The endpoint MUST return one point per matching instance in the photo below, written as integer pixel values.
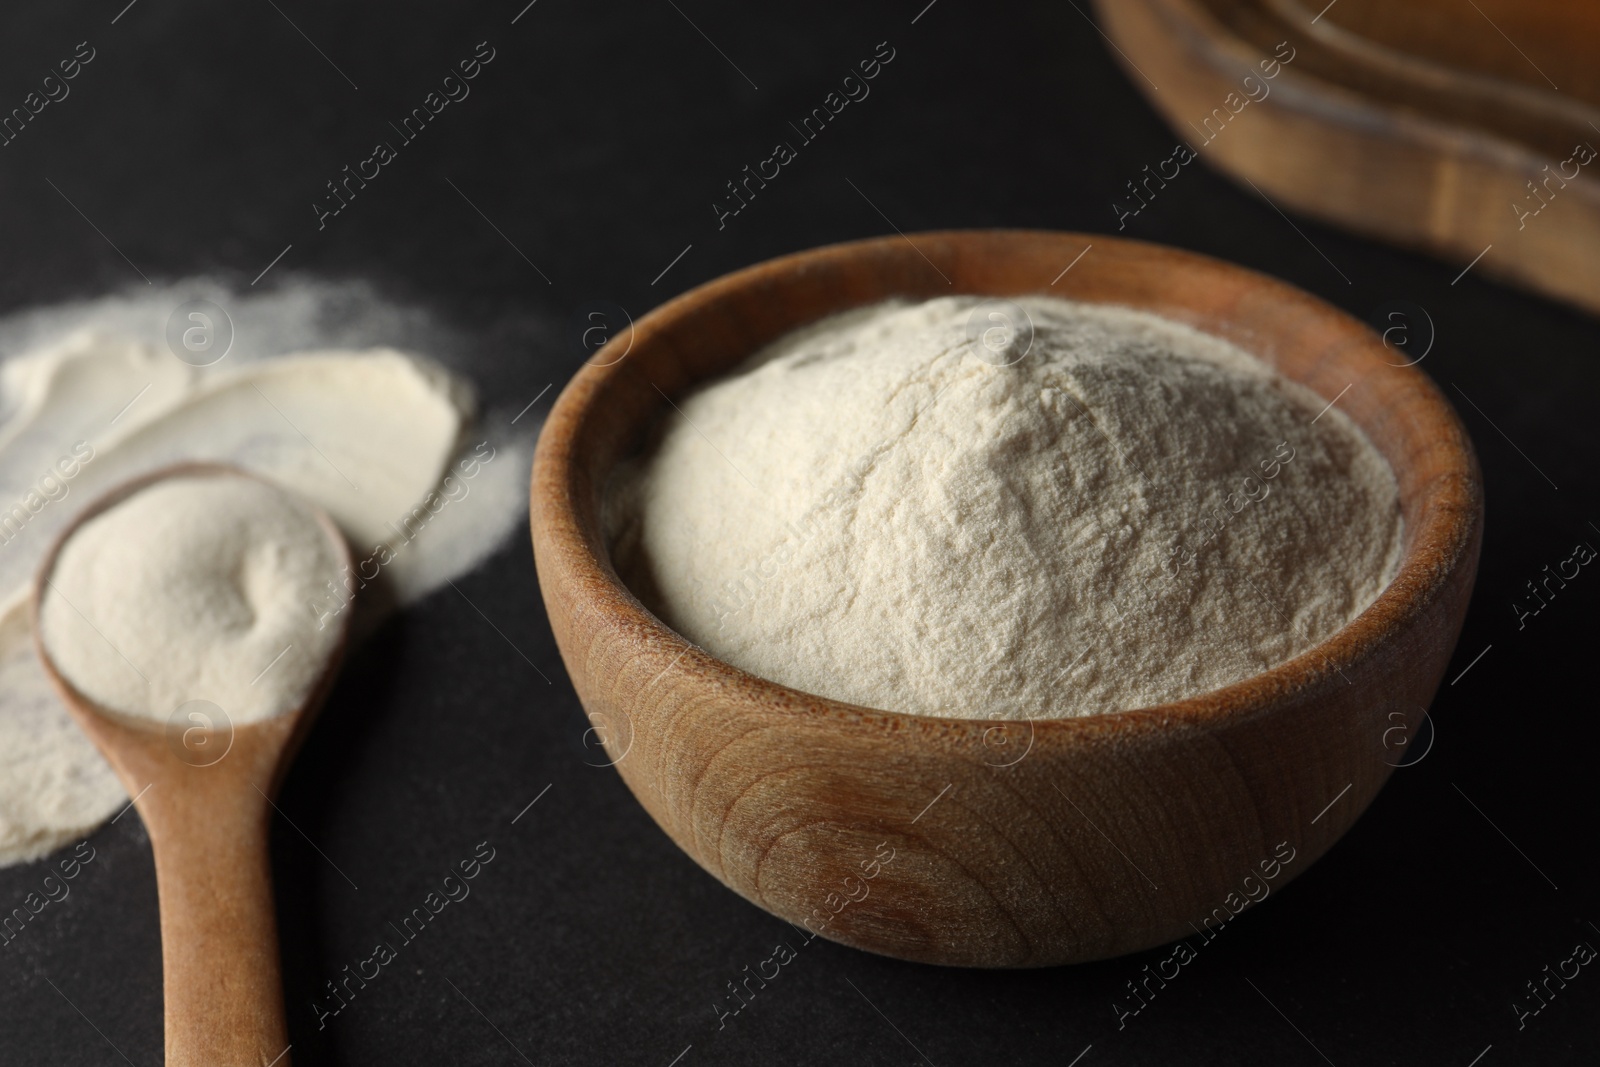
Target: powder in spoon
(194, 588)
(1100, 510)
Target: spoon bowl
(204, 789)
(992, 843)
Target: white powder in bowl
(1122, 512)
(199, 587)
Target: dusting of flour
(1122, 513)
(389, 444)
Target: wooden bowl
(973, 842)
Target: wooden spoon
(204, 789)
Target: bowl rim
(1430, 557)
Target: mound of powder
(1069, 510)
(194, 588)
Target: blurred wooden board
(1467, 128)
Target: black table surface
(597, 140)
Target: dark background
(596, 140)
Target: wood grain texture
(1420, 124)
(1020, 843)
(208, 817)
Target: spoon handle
(219, 943)
(220, 946)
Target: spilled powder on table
(384, 441)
